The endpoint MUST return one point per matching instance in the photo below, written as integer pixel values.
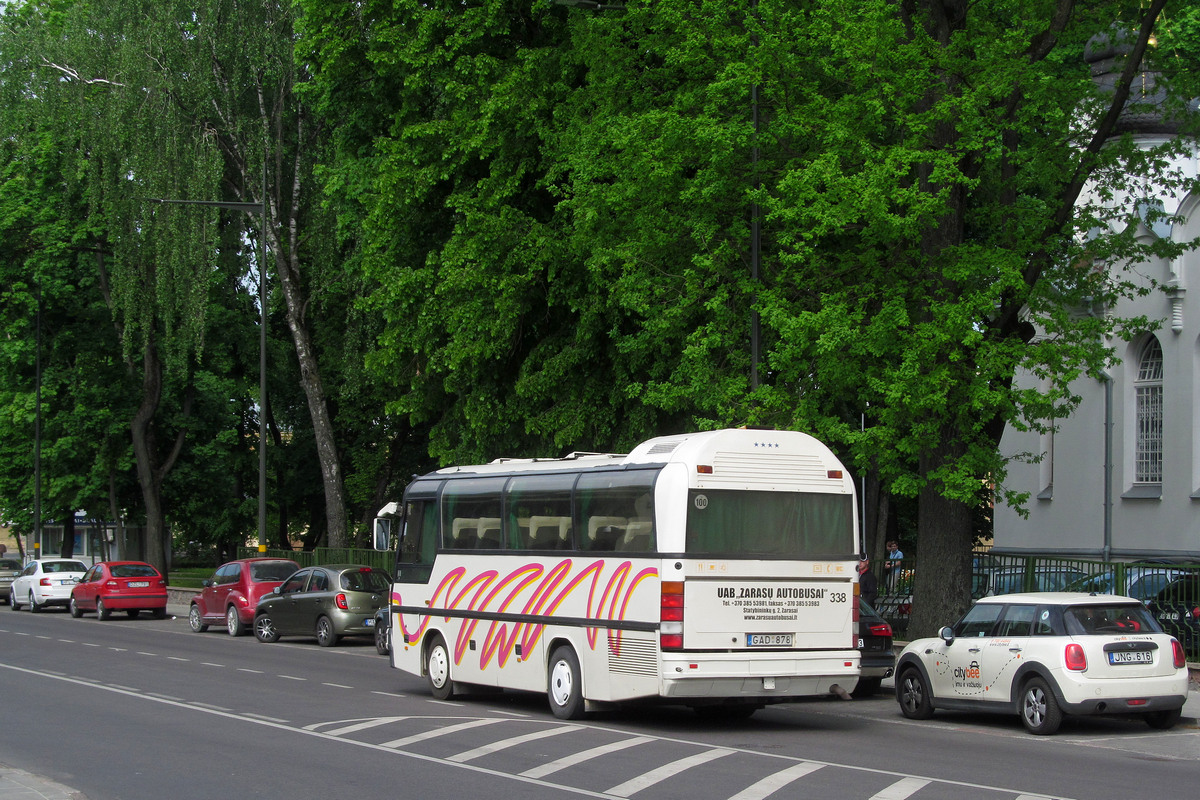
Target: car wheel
(102, 611)
(437, 669)
(12, 601)
(326, 635)
(74, 608)
(159, 613)
(1039, 709)
(264, 629)
(912, 692)
(34, 607)
(1162, 720)
(383, 636)
(194, 620)
(565, 684)
(867, 687)
(233, 622)
(132, 613)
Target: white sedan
(1045, 655)
(45, 582)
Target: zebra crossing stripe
(773, 783)
(584, 755)
(446, 731)
(901, 789)
(513, 741)
(648, 779)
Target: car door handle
(973, 650)
(1014, 649)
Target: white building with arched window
(1120, 477)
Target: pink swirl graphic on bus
(608, 599)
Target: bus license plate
(1131, 657)
(768, 640)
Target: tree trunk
(149, 479)
(67, 549)
(287, 266)
(941, 584)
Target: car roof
(348, 567)
(1059, 598)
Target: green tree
(559, 210)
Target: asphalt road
(137, 709)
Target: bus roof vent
(665, 446)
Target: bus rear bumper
(765, 675)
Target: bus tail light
(1074, 657)
(670, 618)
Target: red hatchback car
(230, 595)
(129, 586)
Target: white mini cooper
(1046, 654)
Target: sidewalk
(17, 784)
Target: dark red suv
(231, 594)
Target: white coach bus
(713, 569)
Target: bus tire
(565, 684)
(437, 669)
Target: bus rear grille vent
(777, 470)
(629, 656)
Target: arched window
(1149, 392)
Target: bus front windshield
(777, 524)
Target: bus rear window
(792, 524)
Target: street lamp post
(260, 209)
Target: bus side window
(538, 509)
(419, 543)
(616, 511)
(471, 514)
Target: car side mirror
(947, 634)
(276, 590)
(207, 582)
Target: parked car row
(275, 597)
(270, 596)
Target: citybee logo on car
(607, 599)
(970, 672)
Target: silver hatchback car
(9, 569)
(327, 602)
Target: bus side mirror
(383, 533)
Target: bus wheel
(437, 669)
(565, 685)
